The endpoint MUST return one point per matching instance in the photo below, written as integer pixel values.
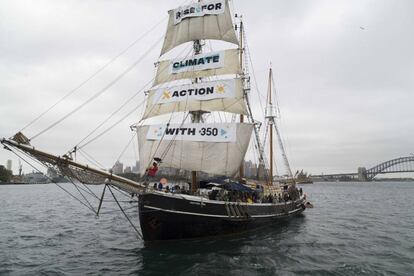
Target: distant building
(135, 169)
(261, 172)
(118, 168)
(35, 177)
(249, 168)
(9, 165)
(127, 169)
(254, 171)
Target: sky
(344, 74)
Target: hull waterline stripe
(218, 216)
(185, 213)
(199, 199)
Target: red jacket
(152, 171)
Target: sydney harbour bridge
(397, 165)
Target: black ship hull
(166, 216)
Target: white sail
(222, 95)
(208, 20)
(203, 65)
(196, 147)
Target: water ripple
(355, 229)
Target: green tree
(5, 175)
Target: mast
(241, 171)
(216, 148)
(196, 116)
(271, 115)
(270, 125)
(246, 87)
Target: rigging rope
(80, 201)
(119, 109)
(87, 201)
(126, 216)
(94, 74)
(109, 128)
(89, 158)
(247, 52)
(276, 96)
(126, 194)
(100, 92)
(113, 114)
(171, 142)
(90, 191)
(166, 84)
(35, 168)
(135, 151)
(258, 145)
(127, 145)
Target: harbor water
(354, 229)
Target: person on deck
(163, 185)
(150, 175)
(152, 170)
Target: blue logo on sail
(223, 133)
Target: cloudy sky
(344, 73)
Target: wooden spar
(120, 182)
(241, 170)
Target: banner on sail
(199, 62)
(205, 24)
(203, 65)
(200, 132)
(209, 157)
(198, 9)
(202, 91)
(223, 95)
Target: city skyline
(344, 91)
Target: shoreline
(20, 183)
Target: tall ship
(196, 86)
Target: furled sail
(211, 148)
(222, 95)
(203, 65)
(201, 20)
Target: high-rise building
(248, 168)
(127, 169)
(261, 172)
(118, 168)
(135, 169)
(9, 165)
